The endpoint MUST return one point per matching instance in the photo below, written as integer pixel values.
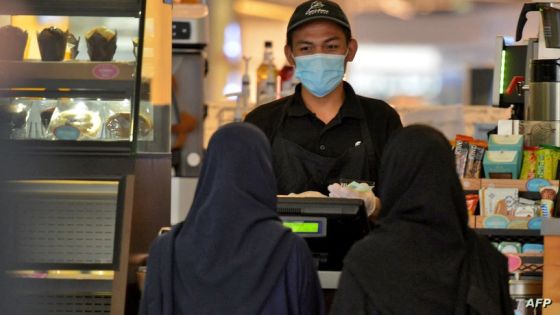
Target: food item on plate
(17, 39)
(101, 43)
(52, 43)
(77, 123)
(118, 125)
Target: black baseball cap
(315, 10)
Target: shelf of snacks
(520, 184)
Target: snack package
(461, 153)
(101, 44)
(474, 158)
(118, 121)
(472, 202)
(548, 195)
(15, 41)
(526, 208)
(544, 163)
(529, 165)
(555, 157)
(498, 201)
(76, 120)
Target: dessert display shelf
(63, 76)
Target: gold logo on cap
(316, 8)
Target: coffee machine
(543, 97)
(527, 75)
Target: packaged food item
(555, 157)
(548, 195)
(544, 163)
(535, 223)
(76, 120)
(510, 247)
(498, 201)
(52, 43)
(474, 158)
(532, 248)
(17, 39)
(529, 166)
(525, 208)
(514, 262)
(101, 44)
(118, 122)
(461, 153)
(472, 202)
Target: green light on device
(302, 227)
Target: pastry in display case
(101, 43)
(17, 39)
(76, 120)
(13, 118)
(52, 43)
(118, 121)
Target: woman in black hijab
(422, 258)
(232, 255)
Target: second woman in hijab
(232, 255)
(422, 258)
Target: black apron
(298, 170)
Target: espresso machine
(527, 76)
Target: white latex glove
(338, 191)
(309, 193)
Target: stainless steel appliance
(190, 29)
(527, 77)
(543, 96)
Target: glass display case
(85, 92)
(81, 71)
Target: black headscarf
(232, 248)
(418, 259)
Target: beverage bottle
(267, 77)
(288, 81)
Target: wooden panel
(470, 183)
(152, 210)
(551, 279)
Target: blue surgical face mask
(320, 74)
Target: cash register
(330, 226)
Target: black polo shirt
(343, 132)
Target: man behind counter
(324, 132)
